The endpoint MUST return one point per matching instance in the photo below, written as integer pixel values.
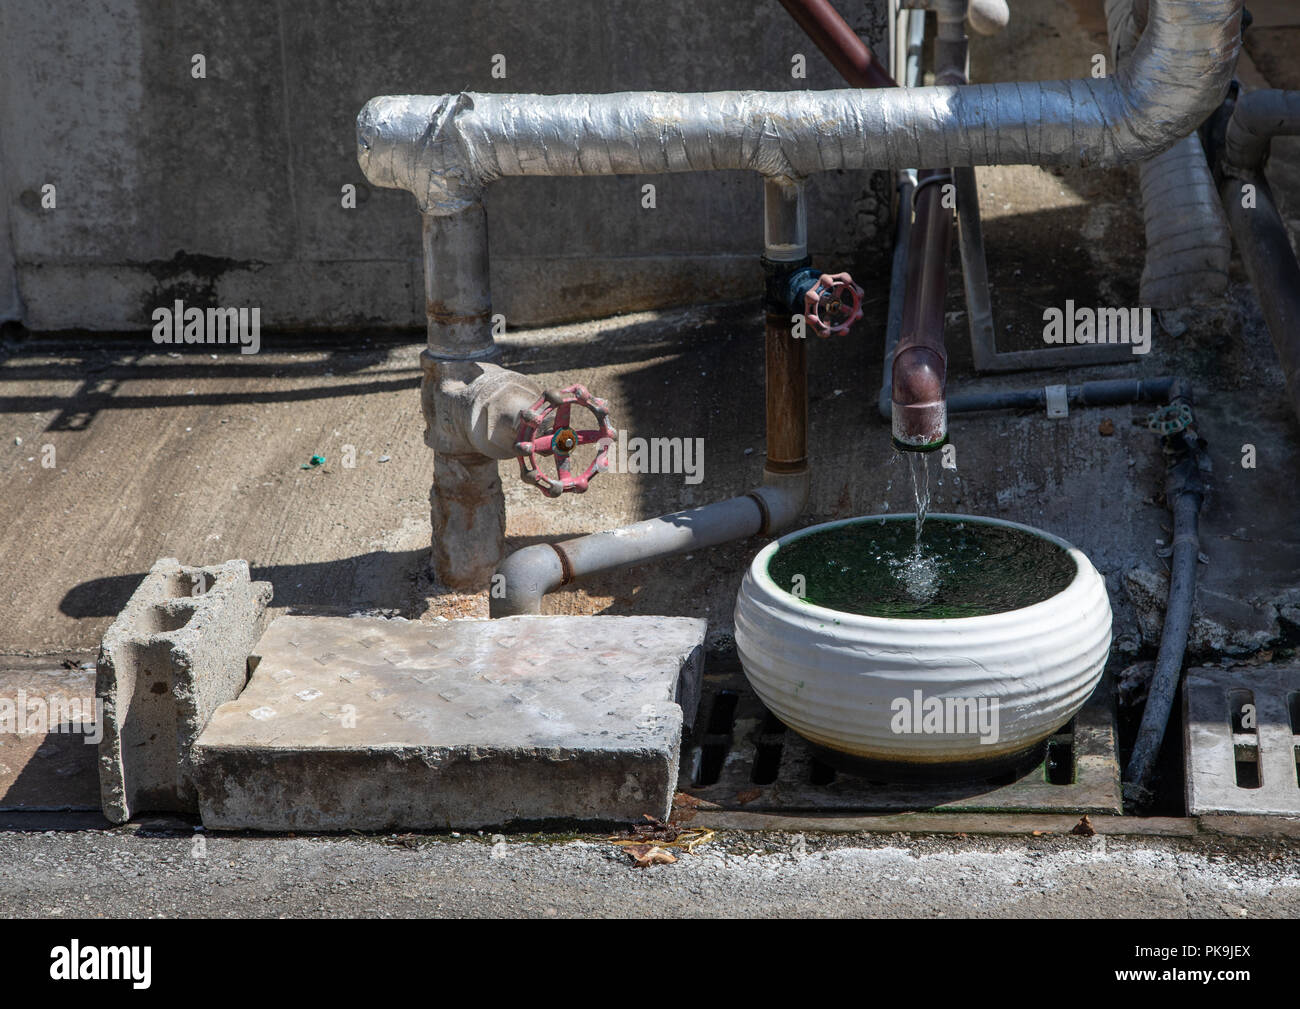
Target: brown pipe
(787, 396)
(920, 366)
(920, 410)
(839, 43)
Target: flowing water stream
(918, 571)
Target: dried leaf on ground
(653, 829)
(645, 855)
(659, 836)
(684, 800)
(1084, 828)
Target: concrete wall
(227, 190)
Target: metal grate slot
(716, 743)
(1058, 767)
(1246, 765)
(1241, 711)
(820, 772)
(767, 763)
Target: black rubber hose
(1107, 392)
(1185, 490)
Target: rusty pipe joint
(474, 407)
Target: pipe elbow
(919, 408)
(414, 142)
(523, 579)
(1178, 74)
(782, 498)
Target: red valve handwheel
(545, 430)
(833, 304)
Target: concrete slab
(372, 724)
(1242, 764)
(178, 649)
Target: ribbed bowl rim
(759, 573)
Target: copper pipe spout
(920, 372)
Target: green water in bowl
(957, 569)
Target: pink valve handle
(833, 304)
(550, 415)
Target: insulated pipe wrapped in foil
(1188, 245)
(445, 149)
(1256, 119)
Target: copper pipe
(787, 396)
(921, 359)
(920, 413)
(839, 43)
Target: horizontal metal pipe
(445, 149)
(1105, 392)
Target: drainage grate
(746, 759)
(1242, 729)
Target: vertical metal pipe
(457, 291)
(787, 395)
(919, 372)
(785, 221)
(1271, 265)
(920, 366)
(466, 502)
(911, 59)
(785, 249)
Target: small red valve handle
(544, 429)
(833, 304)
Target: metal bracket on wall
(979, 308)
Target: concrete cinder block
(176, 651)
(368, 724)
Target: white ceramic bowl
(837, 678)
